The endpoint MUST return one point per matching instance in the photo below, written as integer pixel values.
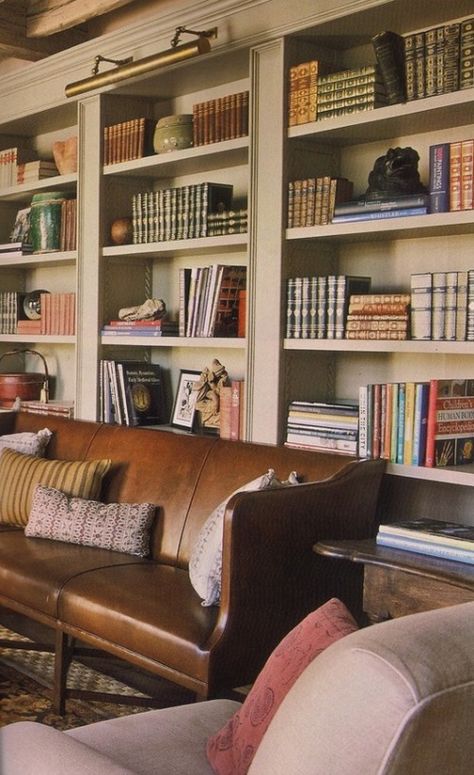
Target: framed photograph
(184, 408)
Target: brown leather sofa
(146, 611)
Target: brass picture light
(127, 68)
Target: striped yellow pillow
(19, 475)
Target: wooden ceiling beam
(13, 39)
(46, 17)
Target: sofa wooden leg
(62, 660)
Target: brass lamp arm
(212, 33)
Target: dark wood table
(397, 583)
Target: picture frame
(184, 407)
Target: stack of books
(52, 408)
(303, 92)
(312, 201)
(15, 249)
(209, 299)
(375, 209)
(10, 158)
(58, 314)
(350, 91)
(162, 327)
(31, 171)
(323, 426)
(436, 538)
(177, 213)
(317, 307)
(418, 423)
(378, 316)
(222, 118)
(128, 140)
(227, 222)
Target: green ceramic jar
(45, 221)
(173, 133)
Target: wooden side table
(397, 583)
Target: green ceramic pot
(173, 133)
(45, 221)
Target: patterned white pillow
(122, 527)
(205, 564)
(27, 442)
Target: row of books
(452, 176)
(161, 327)
(178, 213)
(436, 538)
(58, 316)
(131, 393)
(33, 171)
(333, 426)
(312, 201)
(128, 140)
(210, 300)
(68, 228)
(382, 316)
(439, 60)
(418, 423)
(222, 118)
(442, 306)
(317, 306)
(10, 158)
(231, 410)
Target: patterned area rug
(24, 696)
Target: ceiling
(33, 29)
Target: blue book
(361, 206)
(401, 422)
(380, 214)
(426, 547)
(439, 178)
(422, 390)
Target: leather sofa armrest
(271, 577)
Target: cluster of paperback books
(161, 327)
(317, 306)
(231, 406)
(312, 201)
(223, 118)
(128, 140)
(442, 306)
(131, 393)
(418, 423)
(10, 158)
(209, 300)
(333, 426)
(375, 209)
(350, 91)
(439, 60)
(177, 213)
(436, 538)
(451, 176)
(31, 171)
(227, 222)
(378, 316)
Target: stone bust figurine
(395, 174)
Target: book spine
(431, 424)
(235, 410)
(439, 174)
(450, 307)
(455, 176)
(467, 171)
(363, 448)
(461, 306)
(380, 214)
(424, 547)
(451, 55)
(421, 305)
(466, 59)
(367, 206)
(420, 423)
(389, 48)
(409, 422)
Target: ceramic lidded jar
(45, 221)
(173, 133)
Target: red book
(235, 409)
(450, 427)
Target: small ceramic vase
(173, 133)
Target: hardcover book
(389, 50)
(141, 392)
(450, 429)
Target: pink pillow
(231, 750)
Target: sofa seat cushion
(165, 741)
(160, 617)
(34, 570)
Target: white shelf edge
(39, 259)
(19, 192)
(50, 338)
(455, 475)
(372, 345)
(407, 226)
(230, 343)
(202, 244)
(155, 161)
